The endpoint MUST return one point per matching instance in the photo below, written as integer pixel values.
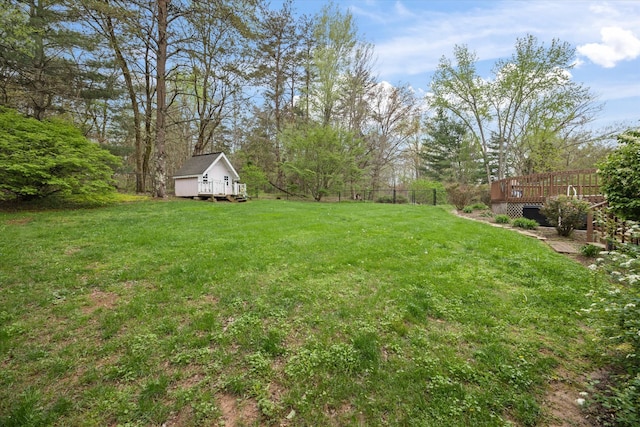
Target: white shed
(208, 175)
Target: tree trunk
(160, 183)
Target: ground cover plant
(526, 223)
(281, 313)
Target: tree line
(293, 99)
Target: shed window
(205, 177)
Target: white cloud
(617, 45)
(410, 36)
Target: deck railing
(604, 227)
(220, 188)
(537, 188)
(211, 187)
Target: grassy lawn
(281, 313)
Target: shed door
(227, 186)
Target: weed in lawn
(150, 406)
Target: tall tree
(217, 45)
(129, 28)
(317, 158)
(160, 182)
(45, 58)
(393, 121)
(278, 72)
(447, 151)
(530, 101)
(336, 37)
(460, 90)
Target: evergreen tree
(46, 64)
(447, 151)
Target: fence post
(435, 200)
(338, 197)
(394, 196)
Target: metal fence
(420, 197)
(127, 182)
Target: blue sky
(410, 37)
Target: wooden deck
(535, 189)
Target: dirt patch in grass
(19, 221)
(561, 403)
(100, 299)
(237, 413)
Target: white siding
(186, 187)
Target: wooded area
(292, 99)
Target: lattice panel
(514, 210)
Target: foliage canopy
(38, 159)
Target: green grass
(302, 313)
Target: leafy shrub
(38, 159)
(464, 195)
(475, 207)
(479, 206)
(620, 174)
(565, 213)
(618, 307)
(526, 223)
(590, 251)
(502, 219)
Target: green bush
(475, 207)
(621, 176)
(565, 213)
(526, 223)
(479, 206)
(39, 159)
(464, 195)
(618, 307)
(590, 251)
(502, 219)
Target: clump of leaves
(475, 207)
(565, 213)
(526, 223)
(590, 251)
(502, 219)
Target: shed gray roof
(196, 165)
